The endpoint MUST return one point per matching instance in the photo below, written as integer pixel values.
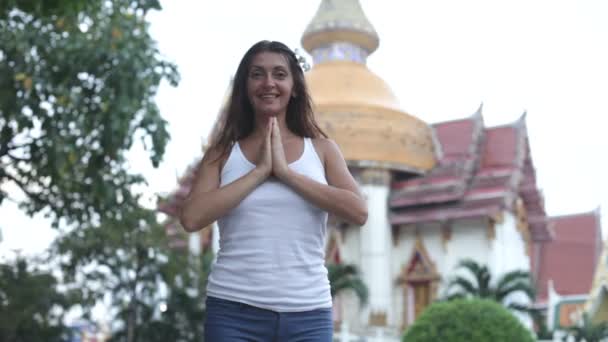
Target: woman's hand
(279, 163)
(264, 162)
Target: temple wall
(382, 255)
(509, 250)
(509, 253)
(468, 239)
(402, 251)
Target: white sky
(442, 58)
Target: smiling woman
(270, 84)
(270, 179)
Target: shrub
(474, 320)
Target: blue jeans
(229, 321)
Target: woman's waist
(264, 244)
(273, 287)
(272, 259)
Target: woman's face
(269, 84)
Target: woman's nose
(268, 81)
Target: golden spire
(353, 105)
(340, 31)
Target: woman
(269, 179)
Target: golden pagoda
(353, 105)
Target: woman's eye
(281, 75)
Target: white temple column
(376, 246)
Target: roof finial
(340, 31)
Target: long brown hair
(239, 119)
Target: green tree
(540, 324)
(184, 315)
(78, 84)
(128, 262)
(482, 285)
(345, 278)
(588, 331)
(31, 306)
(473, 320)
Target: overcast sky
(442, 59)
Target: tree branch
(23, 187)
(15, 158)
(8, 147)
(4, 150)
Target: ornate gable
(419, 280)
(420, 267)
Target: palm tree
(344, 278)
(483, 286)
(540, 323)
(588, 331)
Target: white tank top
(272, 244)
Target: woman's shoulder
(216, 156)
(324, 143)
(325, 147)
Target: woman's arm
(207, 201)
(340, 196)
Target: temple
(436, 193)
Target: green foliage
(344, 278)
(78, 84)
(48, 7)
(77, 89)
(31, 307)
(128, 262)
(482, 286)
(588, 331)
(184, 316)
(473, 320)
(540, 323)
